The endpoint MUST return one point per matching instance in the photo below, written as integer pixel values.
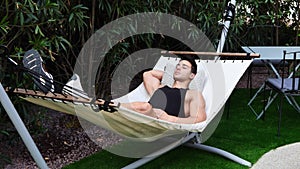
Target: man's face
(183, 71)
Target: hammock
(216, 80)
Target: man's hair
(190, 59)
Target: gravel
(64, 142)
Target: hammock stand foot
(219, 152)
(184, 141)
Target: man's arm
(152, 80)
(197, 109)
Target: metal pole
(220, 152)
(225, 31)
(21, 128)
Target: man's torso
(173, 101)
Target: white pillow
(197, 83)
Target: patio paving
(285, 157)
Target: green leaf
(32, 17)
(51, 20)
(41, 33)
(21, 18)
(36, 29)
(31, 6)
(71, 17)
(3, 24)
(4, 132)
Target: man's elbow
(201, 118)
(146, 75)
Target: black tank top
(171, 100)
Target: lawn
(238, 132)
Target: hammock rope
(101, 104)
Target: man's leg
(44, 80)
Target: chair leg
(269, 101)
(280, 113)
(293, 103)
(261, 89)
(265, 104)
(228, 105)
(249, 84)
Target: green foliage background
(58, 29)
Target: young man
(174, 104)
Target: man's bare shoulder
(193, 93)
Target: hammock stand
(197, 133)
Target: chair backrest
(293, 77)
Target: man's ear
(192, 76)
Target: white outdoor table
(269, 56)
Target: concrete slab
(285, 157)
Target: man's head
(190, 59)
(185, 70)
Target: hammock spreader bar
(102, 104)
(241, 55)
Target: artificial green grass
(238, 132)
